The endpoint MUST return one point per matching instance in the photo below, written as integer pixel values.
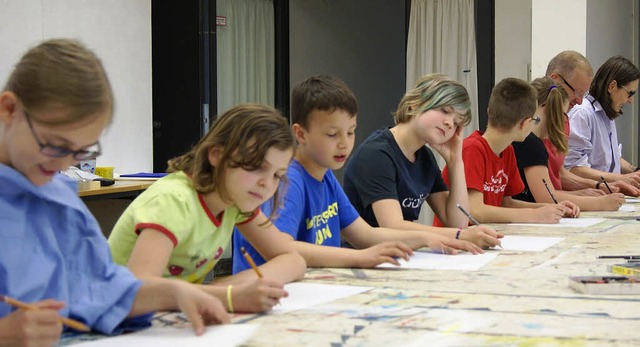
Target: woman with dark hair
(594, 151)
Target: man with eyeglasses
(574, 73)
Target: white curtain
(442, 39)
(245, 53)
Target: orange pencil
(66, 321)
(250, 261)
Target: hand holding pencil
(258, 294)
(37, 323)
(51, 304)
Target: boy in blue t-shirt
(315, 210)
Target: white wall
(512, 39)
(556, 26)
(119, 31)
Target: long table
(518, 299)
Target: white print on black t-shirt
(413, 202)
(497, 184)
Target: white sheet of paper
(627, 208)
(303, 295)
(566, 223)
(439, 261)
(228, 335)
(632, 199)
(528, 243)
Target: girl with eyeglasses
(53, 255)
(594, 151)
(532, 153)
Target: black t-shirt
(530, 152)
(379, 170)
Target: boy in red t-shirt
(491, 170)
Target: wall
(611, 33)
(512, 39)
(119, 31)
(556, 26)
(597, 29)
(360, 41)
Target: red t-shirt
(556, 160)
(494, 176)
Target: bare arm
(150, 257)
(389, 214)
(284, 263)
(444, 204)
(513, 211)
(161, 294)
(535, 175)
(626, 167)
(571, 181)
(593, 174)
(328, 256)
(361, 234)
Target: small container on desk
(612, 285)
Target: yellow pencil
(250, 261)
(66, 321)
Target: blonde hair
(554, 99)
(434, 91)
(243, 134)
(64, 74)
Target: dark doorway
(183, 42)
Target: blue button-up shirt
(593, 141)
(51, 247)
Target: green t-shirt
(173, 207)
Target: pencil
(64, 320)
(629, 257)
(473, 220)
(549, 190)
(606, 185)
(250, 261)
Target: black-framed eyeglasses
(89, 152)
(580, 95)
(630, 92)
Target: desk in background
(107, 203)
(118, 189)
